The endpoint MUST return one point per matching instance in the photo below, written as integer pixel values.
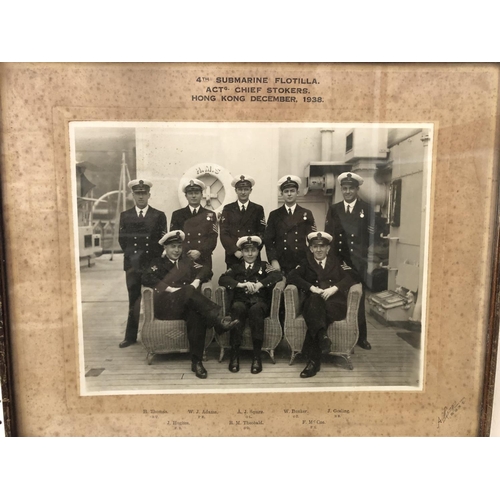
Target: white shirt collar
(243, 204)
(320, 261)
(144, 210)
(247, 265)
(350, 204)
(287, 208)
(193, 208)
(173, 261)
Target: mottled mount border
(5, 353)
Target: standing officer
(240, 218)
(141, 227)
(287, 228)
(326, 285)
(176, 282)
(350, 222)
(198, 223)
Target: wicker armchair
(165, 336)
(343, 334)
(272, 327)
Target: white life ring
(222, 182)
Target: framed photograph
(171, 155)
(389, 170)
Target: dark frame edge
(6, 372)
(491, 355)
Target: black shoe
(325, 344)
(198, 369)
(224, 324)
(364, 344)
(234, 362)
(126, 343)
(256, 365)
(311, 369)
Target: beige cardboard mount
(39, 100)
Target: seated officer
(198, 224)
(287, 228)
(326, 285)
(176, 282)
(240, 218)
(250, 284)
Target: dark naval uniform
(254, 306)
(234, 224)
(187, 303)
(285, 236)
(353, 234)
(138, 238)
(319, 313)
(200, 230)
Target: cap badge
(141, 182)
(177, 233)
(319, 235)
(191, 182)
(242, 177)
(349, 176)
(288, 178)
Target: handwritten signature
(449, 412)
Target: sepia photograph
(250, 257)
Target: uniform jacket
(352, 233)
(309, 273)
(201, 230)
(261, 272)
(162, 273)
(234, 224)
(139, 238)
(285, 236)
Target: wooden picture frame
(39, 327)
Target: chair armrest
(353, 301)
(276, 298)
(221, 298)
(206, 289)
(147, 303)
(292, 306)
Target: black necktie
(348, 209)
(141, 215)
(194, 211)
(242, 209)
(289, 211)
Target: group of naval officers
(176, 262)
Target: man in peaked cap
(176, 283)
(140, 229)
(288, 227)
(351, 223)
(325, 283)
(241, 218)
(198, 223)
(249, 284)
